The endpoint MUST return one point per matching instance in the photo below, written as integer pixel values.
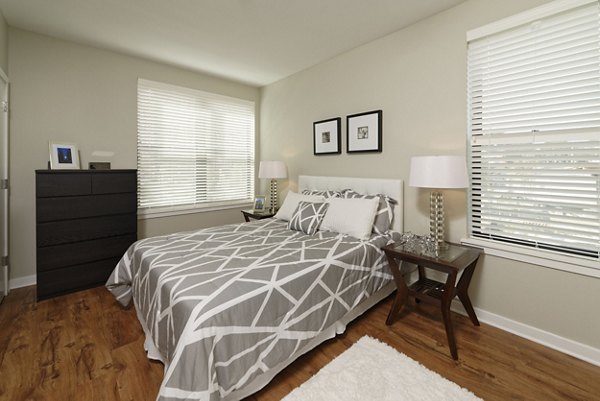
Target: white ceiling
(252, 41)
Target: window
(534, 131)
(195, 150)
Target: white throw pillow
(291, 203)
(385, 210)
(352, 216)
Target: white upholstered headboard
(369, 186)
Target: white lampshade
(272, 169)
(438, 172)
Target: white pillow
(291, 203)
(352, 216)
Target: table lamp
(272, 170)
(438, 172)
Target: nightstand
(451, 261)
(256, 214)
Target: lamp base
(273, 198)
(436, 220)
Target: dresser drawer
(73, 278)
(74, 207)
(61, 232)
(62, 184)
(59, 256)
(114, 183)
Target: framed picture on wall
(364, 132)
(327, 136)
(63, 156)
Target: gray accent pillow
(385, 210)
(325, 194)
(308, 217)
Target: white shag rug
(372, 370)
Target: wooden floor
(85, 347)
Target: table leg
(450, 332)
(402, 291)
(398, 302)
(462, 292)
(446, 302)
(422, 276)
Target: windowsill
(553, 260)
(152, 213)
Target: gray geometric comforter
(226, 304)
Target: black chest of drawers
(85, 221)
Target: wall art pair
(364, 133)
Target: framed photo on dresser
(64, 156)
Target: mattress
(225, 305)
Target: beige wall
(417, 76)
(3, 44)
(69, 92)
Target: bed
(227, 308)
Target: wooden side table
(256, 214)
(451, 261)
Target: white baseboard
(550, 340)
(19, 282)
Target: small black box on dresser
(85, 221)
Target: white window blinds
(195, 149)
(534, 126)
